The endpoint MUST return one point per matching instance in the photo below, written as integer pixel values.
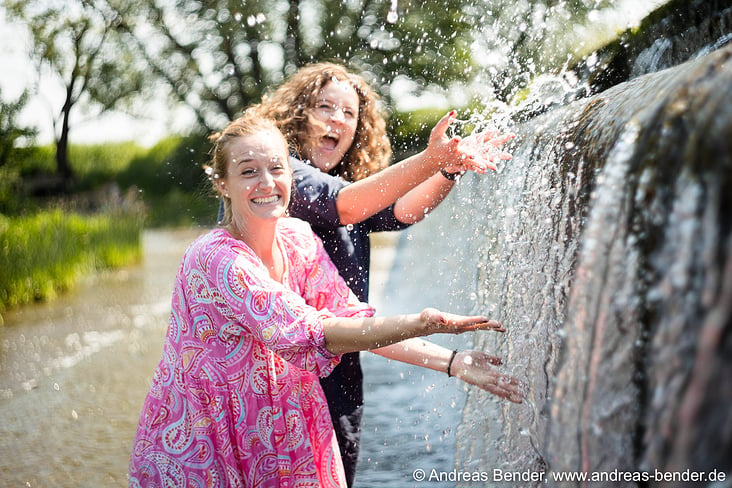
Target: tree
(78, 42)
(12, 137)
(219, 56)
(11, 132)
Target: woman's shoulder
(292, 226)
(305, 173)
(209, 244)
(297, 232)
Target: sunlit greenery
(48, 252)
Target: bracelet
(451, 176)
(449, 363)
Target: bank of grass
(44, 254)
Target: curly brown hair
(291, 106)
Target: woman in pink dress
(259, 312)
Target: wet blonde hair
(246, 125)
(292, 104)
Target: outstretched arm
(366, 197)
(421, 200)
(416, 184)
(344, 335)
(474, 367)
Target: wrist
(455, 176)
(449, 363)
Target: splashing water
(483, 148)
(484, 139)
(393, 15)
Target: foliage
(43, 254)
(219, 56)
(530, 37)
(173, 163)
(172, 182)
(77, 40)
(410, 131)
(12, 135)
(11, 131)
(100, 163)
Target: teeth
(271, 199)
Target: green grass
(44, 254)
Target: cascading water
(606, 252)
(604, 247)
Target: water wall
(671, 34)
(604, 247)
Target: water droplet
(392, 17)
(349, 227)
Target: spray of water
(393, 15)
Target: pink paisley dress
(235, 400)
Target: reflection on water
(74, 372)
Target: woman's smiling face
(258, 179)
(336, 106)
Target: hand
(484, 147)
(475, 368)
(441, 322)
(445, 152)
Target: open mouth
(330, 141)
(266, 200)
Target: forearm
(418, 352)
(344, 335)
(364, 198)
(417, 203)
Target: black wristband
(451, 176)
(449, 363)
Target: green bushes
(48, 252)
(172, 183)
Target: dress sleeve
(229, 277)
(322, 285)
(314, 196)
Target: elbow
(350, 217)
(408, 217)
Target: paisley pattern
(235, 399)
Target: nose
(338, 114)
(266, 180)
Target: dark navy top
(314, 200)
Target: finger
(498, 140)
(494, 360)
(509, 388)
(510, 394)
(499, 155)
(489, 325)
(441, 126)
(470, 163)
(489, 135)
